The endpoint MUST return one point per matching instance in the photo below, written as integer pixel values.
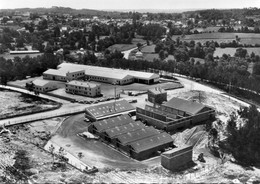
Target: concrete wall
(175, 162)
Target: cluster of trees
(20, 68)
(151, 31)
(243, 140)
(243, 29)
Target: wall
(177, 161)
(85, 91)
(54, 77)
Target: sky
(131, 4)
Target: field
(215, 29)
(246, 38)
(124, 47)
(231, 51)
(148, 49)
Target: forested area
(20, 68)
(243, 138)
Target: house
(83, 88)
(44, 85)
(157, 95)
(139, 55)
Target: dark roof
(107, 109)
(137, 135)
(112, 132)
(112, 122)
(151, 142)
(187, 106)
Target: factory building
(175, 114)
(107, 110)
(83, 88)
(131, 137)
(112, 75)
(177, 158)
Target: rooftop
(187, 106)
(157, 90)
(40, 82)
(83, 84)
(61, 72)
(151, 142)
(106, 109)
(108, 72)
(118, 130)
(112, 122)
(137, 135)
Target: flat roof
(118, 130)
(184, 105)
(83, 84)
(151, 142)
(137, 135)
(109, 108)
(177, 151)
(62, 72)
(55, 72)
(110, 72)
(112, 122)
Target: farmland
(246, 38)
(124, 47)
(231, 51)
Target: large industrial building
(107, 110)
(112, 75)
(83, 88)
(131, 137)
(175, 114)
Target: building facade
(83, 88)
(63, 75)
(177, 158)
(157, 95)
(43, 86)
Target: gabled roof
(110, 108)
(41, 82)
(151, 142)
(112, 122)
(137, 135)
(187, 106)
(118, 130)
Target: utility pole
(115, 97)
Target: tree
(51, 150)
(162, 55)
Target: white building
(112, 75)
(64, 75)
(83, 88)
(44, 85)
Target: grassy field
(208, 29)
(124, 47)
(246, 38)
(148, 49)
(219, 52)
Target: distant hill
(61, 10)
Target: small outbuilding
(44, 85)
(177, 158)
(157, 95)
